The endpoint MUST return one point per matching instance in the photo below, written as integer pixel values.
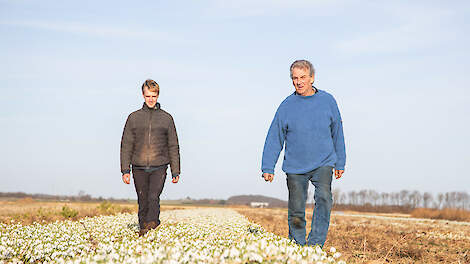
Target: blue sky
(71, 73)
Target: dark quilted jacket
(149, 140)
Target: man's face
(150, 98)
(302, 81)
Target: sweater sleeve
(274, 143)
(338, 137)
(173, 149)
(127, 145)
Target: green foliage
(106, 207)
(68, 212)
(43, 215)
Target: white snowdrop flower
(315, 257)
(234, 252)
(318, 250)
(255, 257)
(332, 250)
(191, 236)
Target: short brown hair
(151, 86)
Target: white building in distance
(259, 204)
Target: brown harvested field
(27, 210)
(384, 238)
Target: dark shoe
(143, 231)
(151, 225)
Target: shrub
(126, 210)
(106, 208)
(447, 214)
(43, 215)
(68, 212)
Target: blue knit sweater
(312, 130)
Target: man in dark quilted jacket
(149, 144)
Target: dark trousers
(149, 185)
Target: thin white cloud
(88, 29)
(250, 8)
(420, 29)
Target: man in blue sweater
(308, 122)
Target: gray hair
(303, 64)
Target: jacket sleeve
(338, 137)
(127, 146)
(274, 143)
(173, 149)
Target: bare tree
(336, 194)
(440, 199)
(362, 197)
(462, 200)
(342, 199)
(427, 199)
(465, 201)
(373, 197)
(352, 198)
(396, 198)
(404, 197)
(415, 199)
(450, 199)
(385, 198)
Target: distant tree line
(80, 197)
(402, 199)
(363, 200)
(189, 200)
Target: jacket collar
(146, 108)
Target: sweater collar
(314, 89)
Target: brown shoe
(143, 231)
(151, 225)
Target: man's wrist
(262, 174)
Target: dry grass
(27, 210)
(368, 238)
(450, 214)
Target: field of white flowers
(185, 236)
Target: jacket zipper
(150, 129)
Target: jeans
(149, 185)
(298, 189)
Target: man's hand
(338, 173)
(268, 177)
(126, 178)
(175, 179)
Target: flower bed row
(185, 236)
